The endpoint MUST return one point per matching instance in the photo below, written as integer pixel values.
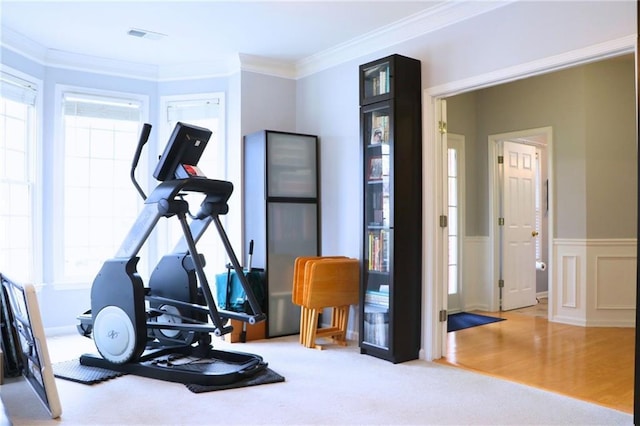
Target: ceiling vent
(151, 35)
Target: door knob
(534, 233)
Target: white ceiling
(201, 32)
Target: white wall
(494, 47)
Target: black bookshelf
(391, 139)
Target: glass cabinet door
(292, 229)
(291, 165)
(375, 82)
(378, 223)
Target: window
(454, 237)
(18, 236)
(100, 135)
(204, 110)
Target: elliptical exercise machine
(163, 331)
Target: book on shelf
(377, 135)
(375, 168)
(378, 209)
(383, 80)
(379, 129)
(376, 325)
(378, 250)
(379, 298)
(380, 80)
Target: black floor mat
(262, 378)
(76, 372)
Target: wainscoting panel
(594, 282)
(477, 265)
(614, 276)
(612, 282)
(569, 281)
(567, 289)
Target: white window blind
(16, 89)
(193, 110)
(81, 105)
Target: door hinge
(444, 221)
(443, 315)
(501, 221)
(442, 127)
(500, 283)
(500, 159)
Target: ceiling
(199, 32)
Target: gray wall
(611, 150)
(592, 111)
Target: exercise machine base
(187, 365)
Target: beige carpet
(335, 386)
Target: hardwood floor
(594, 364)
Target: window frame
(56, 249)
(36, 162)
(164, 245)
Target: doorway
(434, 296)
(520, 211)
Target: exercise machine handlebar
(144, 137)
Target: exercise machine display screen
(182, 153)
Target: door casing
(542, 138)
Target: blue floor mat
(463, 320)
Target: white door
(519, 230)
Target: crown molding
(419, 24)
(60, 59)
(104, 66)
(596, 52)
(22, 45)
(430, 20)
(222, 67)
(268, 66)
